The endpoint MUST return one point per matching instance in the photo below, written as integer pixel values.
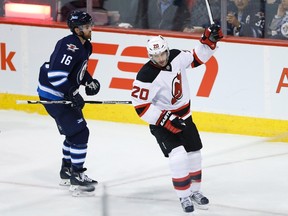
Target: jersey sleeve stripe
(196, 62)
(59, 82)
(182, 111)
(142, 109)
(57, 74)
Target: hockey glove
(75, 98)
(171, 122)
(92, 87)
(211, 36)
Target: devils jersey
(157, 89)
(66, 68)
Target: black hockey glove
(171, 122)
(92, 87)
(75, 98)
(211, 36)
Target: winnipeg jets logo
(72, 47)
(177, 88)
(74, 17)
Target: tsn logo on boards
(204, 89)
(124, 67)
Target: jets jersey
(66, 68)
(166, 89)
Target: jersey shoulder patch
(148, 73)
(71, 43)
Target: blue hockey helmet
(78, 18)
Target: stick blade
(21, 102)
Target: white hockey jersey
(161, 89)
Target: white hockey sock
(195, 169)
(179, 166)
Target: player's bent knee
(69, 121)
(80, 137)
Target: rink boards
(242, 89)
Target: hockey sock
(179, 166)
(78, 156)
(66, 152)
(78, 148)
(195, 170)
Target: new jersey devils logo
(177, 88)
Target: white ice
(242, 176)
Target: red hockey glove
(171, 122)
(211, 36)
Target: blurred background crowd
(240, 18)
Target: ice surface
(242, 175)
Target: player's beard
(163, 63)
(88, 36)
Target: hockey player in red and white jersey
(161, 97)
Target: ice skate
(200, 200)
(187, 204)
(65, 175)
(81, 184)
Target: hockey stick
(69, 102)
(209, 12)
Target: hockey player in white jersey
(161, 97)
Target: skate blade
(82, 191)
(189, 213)
(201, 207)
(64, 182)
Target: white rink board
(245, 85)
